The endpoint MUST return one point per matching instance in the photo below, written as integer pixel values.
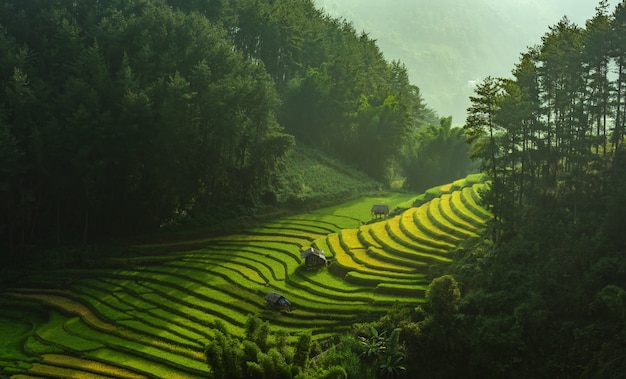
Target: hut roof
(276, 299)
(314, 251)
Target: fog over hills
(448, 45)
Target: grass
(12, 333)
(88, 365)
(55, 333)
(151, 315)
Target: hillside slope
(152, 315)
(311, 179)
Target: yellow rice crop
(409, 239)
(379, 265)
(446, 188)
(91, 366)
(350, 239)
(446, 208)
(460, 207)
(469, 194)
(370, 265)
(341, 256)
(67, 305)
(49, 371)
(412, 217)
(396, 230)
(367, 238)
(392, 246)
(435, 212)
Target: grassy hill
(311, 179)
(151, 315)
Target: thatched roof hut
(314, 257)
(380, 210)
(277, 300)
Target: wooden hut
(314, 258)
(277, 300)
(380, 210)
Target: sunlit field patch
(406, 249)
(147, 348)
(430, 232)
(88, 365)
(438, 219)
(461, 210)
(350, 239)
(411, 264)
(409, 246)
(140, 364)
(471, 198)
(446, 188)
(409, 223)
(450, 214)
(378, 262)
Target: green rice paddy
(153, 317)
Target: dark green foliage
(335, 372)
(439, 155)
(255, 357)
(258, 331)
(347, 355)
(545, 297)
(312, 179)
(125, 116)
(443, 296)
(302, 351)
(122, 117)
(392, 367)
(374, 346)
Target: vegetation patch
(159, 311)
(88, 365)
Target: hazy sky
(448, 44)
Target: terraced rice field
(151, 316)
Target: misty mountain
(448, 45)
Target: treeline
(547, 136)
(117, 117)
(544, 294)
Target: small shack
(277, 300)
(314, 258)
(380, 210)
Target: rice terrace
(153, 315)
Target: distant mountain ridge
(449, 44)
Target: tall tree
(618, 53)
(596, 59)
(483, 131)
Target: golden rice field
(151, 315)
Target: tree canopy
(544, 297)
(117, 117)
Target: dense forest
(119, 117)
(545, 296)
